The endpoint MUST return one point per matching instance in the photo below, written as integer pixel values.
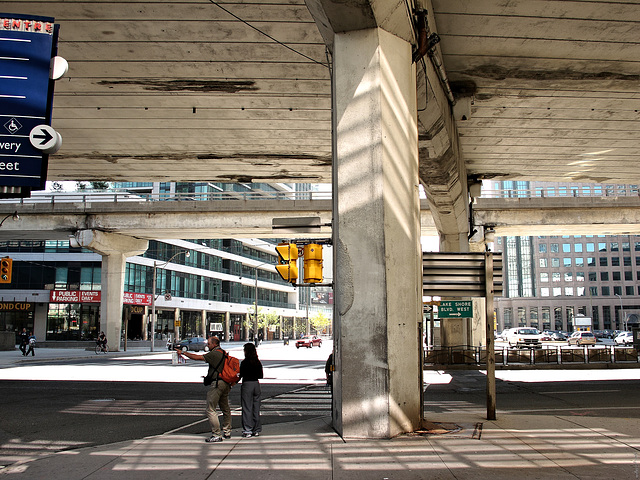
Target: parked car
(546, 336)
(524, 337)
(309, 341)
(582, 338)
(558, 337)
(624, 338)
(194, 344)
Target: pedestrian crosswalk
(309, 401)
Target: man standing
(218, 393)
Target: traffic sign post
(28, 46)
(455, 309)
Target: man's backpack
(231, 370)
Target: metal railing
(125, 196)
(549, 354)
(583, 190)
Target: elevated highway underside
(253, 218)
(204, 91)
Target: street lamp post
(153, 293)
(622, 319)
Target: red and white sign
(74, 296)
(131, 298)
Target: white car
(526, 337)
(624, 338)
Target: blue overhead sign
(27, 45)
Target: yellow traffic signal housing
(288, 268)
(312, 263)
(6, 265)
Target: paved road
(50, 403)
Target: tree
(319, 322)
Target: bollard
(174, 358)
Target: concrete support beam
(376, 237)
(114, 249)
(442, 169)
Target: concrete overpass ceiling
(178, 90)
(189, 90)
(555, 87)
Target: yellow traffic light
(288, 268)
(6, 265)
(312, 263)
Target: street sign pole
(491, 354)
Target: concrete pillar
(204, 324)
(376, 237)
(115, 249)
(227, 325)
(247, 321)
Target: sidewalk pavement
(514, 446)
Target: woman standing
(250, 394)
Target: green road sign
(455, 309)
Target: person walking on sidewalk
(218, 393)
(24, 341)
(250, 393)
(32, 345)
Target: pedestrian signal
(312, 263)
(288, 268)
(6, 265)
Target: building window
(591, 261)
(544, 277)
(604, 262)
(615, 261)
(555, 263)
(544, 291)
(579, 276)
(628, 275)
(617, 290)
(602, 246)
(556, 276)
(614, 246)
(568, 276)
(544, 263)
(593, 291)
(557, 291)
(606, 292)
(542, 248)
(566, 248)
(627, 261)
(628, 290)
(580, 291)
(522, 317)
(626, 246)
(591, 247)
(604, 276)
(568, 291)
(555, 248)
(615, 276)
(636, 246)
(579, 261)
(577, 248)
(566, 261)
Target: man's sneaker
(246, 434)
(256, 434)
(226, 435)
(213, 439)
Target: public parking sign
(27, 46)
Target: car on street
(309, 341)
(624, 338)
(194, 344)
(524, 337)
(582, 338)
(558, 337)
